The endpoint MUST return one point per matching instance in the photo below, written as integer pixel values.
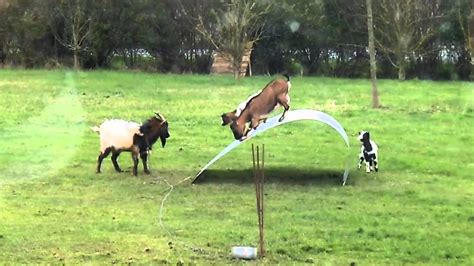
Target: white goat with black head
(117, 136)
(368, 152)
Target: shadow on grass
(287, 175)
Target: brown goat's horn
(162, 118)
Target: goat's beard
(163, 141)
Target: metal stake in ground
(259, 178)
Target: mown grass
(54, 209)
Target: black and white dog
(368, 152)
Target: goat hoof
(147, 172)
(281, 119)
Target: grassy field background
(418, 209)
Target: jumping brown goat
(259, 106)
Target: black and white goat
(117, 136)
(368, 152)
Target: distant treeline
(427, 39)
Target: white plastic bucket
(248, 253)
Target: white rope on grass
(162, 207)
(160, 215)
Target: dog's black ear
(358, 133)
(368, 134)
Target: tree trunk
(236, 67)
(401, 64)
(470, 31)
(76, 60)
(236, 74)
(401, 70)
(75, 47)
(373, 66)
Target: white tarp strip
(290, 116)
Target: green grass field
(54, 208)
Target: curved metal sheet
(290, 116)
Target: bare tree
(471, 29)
(236, 26)
(77, 26)
(471, 39)
(373, 66)
(403, 27)
(3, 6)
(465, 18)
(468, 32)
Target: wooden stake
(258, 167)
